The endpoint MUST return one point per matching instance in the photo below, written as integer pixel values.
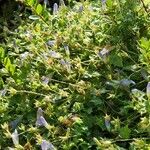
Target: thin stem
(144, 6)
(34, 93)
(127, 140)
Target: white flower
(55, 9)
(51, 42)
(54, 54)
(15, 137)
(126, 82)
(103, 54)
(45, 80)
(148, 90)
(46, 2)
(67, 50)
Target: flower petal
(45, 145)
(55, 9)
(15, 137)
(148, 90)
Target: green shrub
(77, 78)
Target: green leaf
(2, 52)
(7, 63)
(10, 67)
(116, 60)
(39, 9)
(31, 2)
(1, 83)
(125, 132)
(145, 43)
(109, 3)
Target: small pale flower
(66, 64)
(51, 42)
(46, 2)
(135, 91)
(103, 1)
(40, 119)
(103, 53)
(15, 137)
(42, 122)
(81, 8)
(24, 55)
(54, 54)
(107, 122)
(67, 50)
(55, 9)
(103, 4)
(14, 123)
(127, 82)
(39, 112)
(148, 90)
(45, 145)
(45, 80)
(3, 92)
(144, 74)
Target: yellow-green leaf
(39, 9)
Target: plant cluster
(77, 78)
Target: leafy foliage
(77, 78)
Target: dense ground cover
(77, 78)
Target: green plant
(74, 79)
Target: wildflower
(80, 8)
(24, 55)
(42, 122)
(125, 83)
(107, 122)
(54, 54)
(103, 53)
(55, 9)
(66, 64)
(144, 74)
(40, 119)
(135, 91)
(45, 145)
(67, 50)
(103, 1)
(3, 92)
(14, 123)
(148, 90)
(45, 80)
(103, 4)
(39, 114)
(46, 2)
(15, 137)
(51, 42)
